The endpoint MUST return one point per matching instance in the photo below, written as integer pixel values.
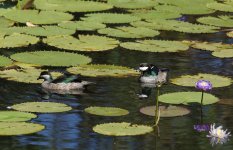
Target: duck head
(46, 76)
(148, 69)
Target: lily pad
(155, 15)
(17, 40)
(129, 32)
(226, 53)
(175, 25)
(133, 4)
(111, 18)
(4, 61)
(187, 98)
(19, 128)
(82, 25)
(170, 111)
(190, 80)
(82, 43)
(155, 46)
(41, 107)
(12, 116)
(106, 111)
(95, 70)
(37, 17)
(220, 21)
(71, 6)
(51, 58)
(122, 129)
(5, 22)
(227, 6)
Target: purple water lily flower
(201, 127)
(203, 85)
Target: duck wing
(67, 79)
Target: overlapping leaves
(4, 61)
(133, 4)
(220, 21)
(82, 25)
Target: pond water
(73, 130)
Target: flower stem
(157, 112)
(202, 94)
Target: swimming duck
(66, 82)
(152, 75)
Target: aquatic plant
(51, 58)
(129, 32)
(133, 4)
(13, 116)
(106, 111)
(201, 127)
(82, 25)
(98, 70)
(156, 14)
(225, 53)
(122, 129)
(226, 6)
(203, 85)
(220, 21)
(5, 23)
(4, 61)
(82, 43)
(41, 107)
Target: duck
(151, 74)
(66, 82)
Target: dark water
(73, 130)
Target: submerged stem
(157, 112)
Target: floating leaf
(122, 129)
(28, 74)
(71, 6)
(175, 25)
(95, 70)
(155, 15)
(220, 21)
(170, 111)
(17, 40)
(10, 116)
(187, 98)
(110, 18)
(3, 11)
(129, 32)
(51, 58)
(82, 25)
(41, 107)
(4, 61)
(133, 4)
(226, 6)
(83, 43)
(190, 80)
(226, 53)
(19, 128)
(106, 111)
(155, 46)
(5, 22)
(37, 17)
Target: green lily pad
(12, 116)
(41, 107)
(122, 129)
(187, 98)
(220, 21)
(51, 58)
(226, 53)
(82, 25)
(4, 10)
(175, 25)
(133, 4)
(227, 6)
(71, 6)
(37, 17)
(170, 111)
(82, 43)
(28, 74)
(4, 61)
(155, 46)
(17, 40)
(106, 111)
(155, 15)
(19, 128)
(129, 32)
(190, 80)
(5, 22)
(112, 18)
(95, 70)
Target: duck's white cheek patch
(46, 76)
(143, 68)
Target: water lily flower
(203, 85)
(201, 127)
(218, 135)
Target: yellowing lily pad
(51, 58)
(122, 129)
(225, 53)
(4, 61)
(12, 116)
(82, 43)
(155, 46)
(19, 128)
(170, 111)
(106, 111)
(190, 80)
(41, 107)
(187, 98)
(94, 70)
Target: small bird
(65, 82)
(152, 75)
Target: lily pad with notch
(106, 111)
